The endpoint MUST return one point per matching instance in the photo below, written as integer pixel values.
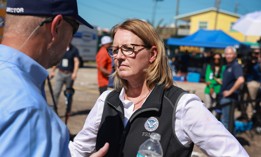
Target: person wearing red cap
(36, 35)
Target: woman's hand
(102, 152)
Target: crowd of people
(143, 99)
(228, 79)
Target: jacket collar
(154, 99)
(153, 102)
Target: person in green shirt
(213, 79)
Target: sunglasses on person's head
(71, 21)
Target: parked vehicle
(86, 40)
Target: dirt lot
(86, 93)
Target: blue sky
(107, 13)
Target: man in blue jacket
(232, 80)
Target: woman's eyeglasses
(126, 49)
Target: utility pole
(154, 12)
(236, 7)
(2, 3)
(176, 21)
(217, 5)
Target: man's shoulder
(235, 64)
(72, 52)
(19, 100)
(174, 92)
(18, 94)
(102, 54)
(102, 50)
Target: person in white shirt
(145, 101)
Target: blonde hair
(159, 71)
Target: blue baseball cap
(45, 8)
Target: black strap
(52, 96)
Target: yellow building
(212, 19)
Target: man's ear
(56, 24)
(153, 54)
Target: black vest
(157, 112)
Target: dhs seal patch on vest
(151, 124)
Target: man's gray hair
(232, 48)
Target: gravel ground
(86, 93)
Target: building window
(231, 27)
(203, 25)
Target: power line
(102, 10)
(154, 11)
(114, 7)
(236, 7)
(124, 7)
(162, 11)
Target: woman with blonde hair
(146, 101)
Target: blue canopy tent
(216, 39)
(206, 38)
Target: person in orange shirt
(104, 64)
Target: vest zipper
(135, 114)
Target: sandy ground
(86, 93)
